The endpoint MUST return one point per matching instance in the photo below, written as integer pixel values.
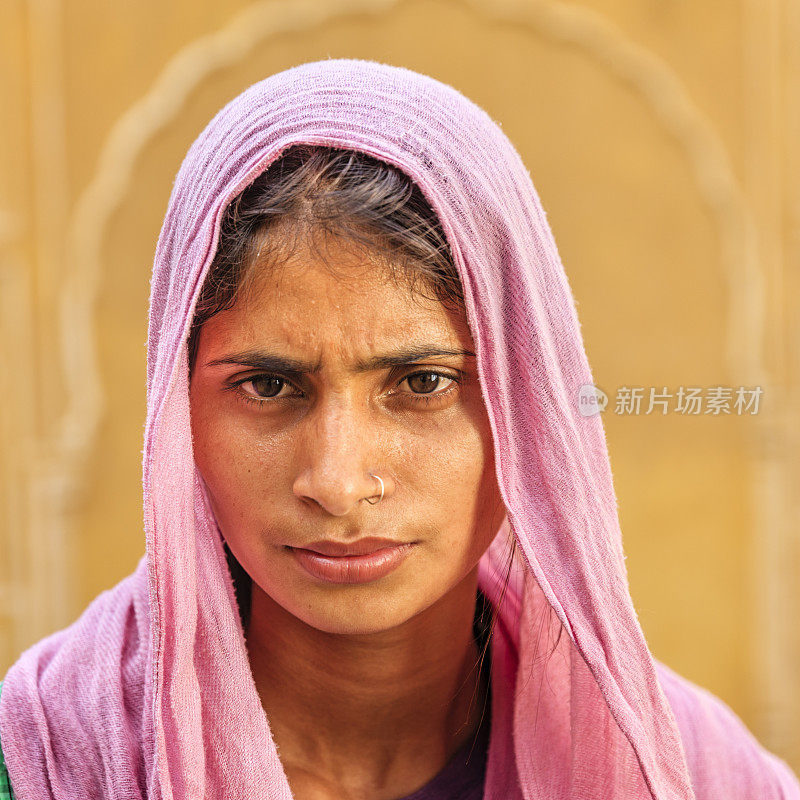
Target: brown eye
(425, 382)
(264, 385)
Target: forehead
(333, 292)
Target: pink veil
(149, 693)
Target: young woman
(383, 558)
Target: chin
(354, 611)
(351, 625)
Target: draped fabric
(150, 694)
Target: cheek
(454, 473)
(233, 462)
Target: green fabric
(5, 783)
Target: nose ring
(380, 480)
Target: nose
(339, 460)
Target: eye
(261, 387)
(423, 386)
(425, 382)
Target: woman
(362, 441)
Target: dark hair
(316, 192)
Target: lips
(362, 561)
(360, 547)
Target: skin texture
(369, 688)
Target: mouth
(360, 547)
(362, 561)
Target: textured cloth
(150, 694)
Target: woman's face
(311, 382)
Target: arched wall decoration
(647, 75)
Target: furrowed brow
(410, 355)
(270, 362)
(266, 362)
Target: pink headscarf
(150, 693)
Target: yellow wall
(663, 141)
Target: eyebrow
(269, 362)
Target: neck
(370, 710)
